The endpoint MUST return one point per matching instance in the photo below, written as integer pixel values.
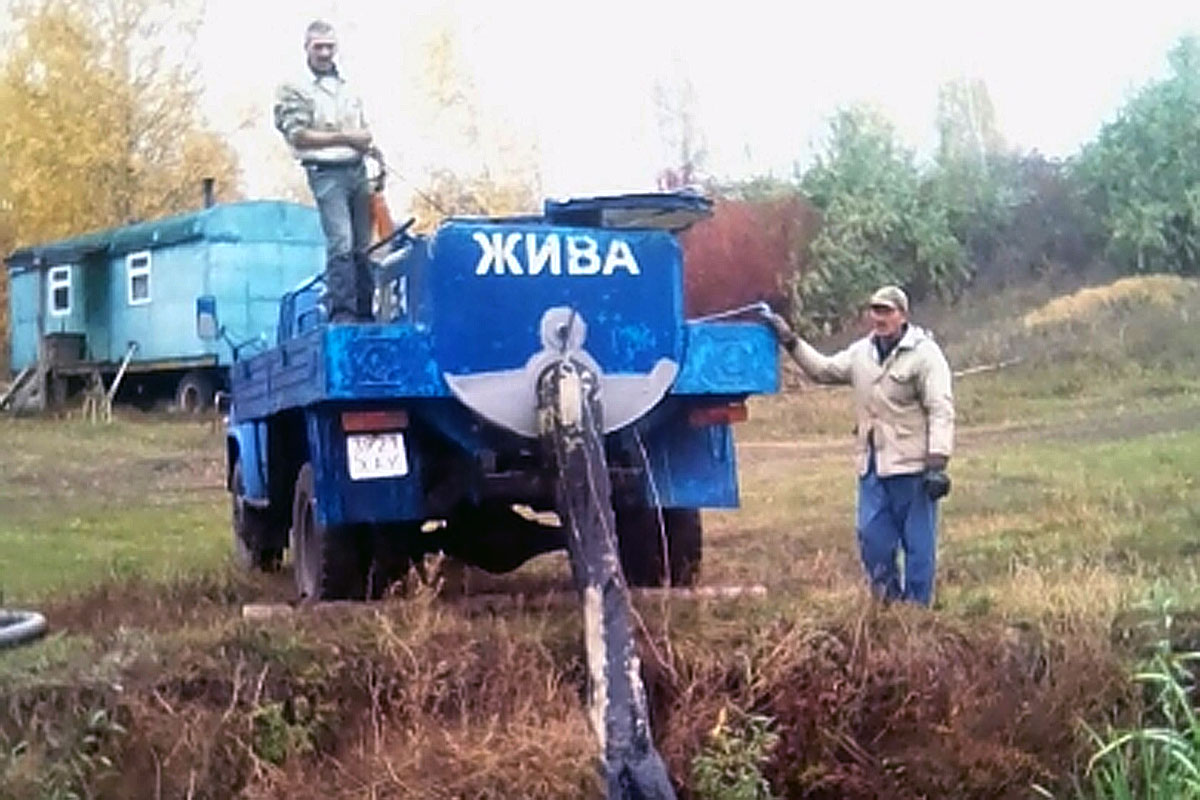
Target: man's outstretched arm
(819, 367)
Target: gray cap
(892, 296)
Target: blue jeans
(344, 203)
(894, 514)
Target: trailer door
(97, 301)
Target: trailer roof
(260, 220)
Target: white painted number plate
(376, 455)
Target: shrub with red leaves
(749, 250)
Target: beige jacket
(907, 401)
(323, 103)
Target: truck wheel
(194, 394)
(254, 545)
(640, 538)
(329, 562)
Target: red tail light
(726, 414)
(374, 421)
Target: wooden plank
(540, 601)
(12, 390)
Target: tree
(1044, 228)
(1141, 176)
(100, 126)
(972, 175)
(486, 169)
(675, 101)
(880, 223)
(966, 123)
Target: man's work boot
(340, 294)
(364, 288)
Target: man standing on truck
(904, 407)
(322, 120)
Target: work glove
(783, 332)
(937, 483)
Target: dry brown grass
(1164, 292)
(892, 702)
(408, 699)
(424, 698)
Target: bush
(1140, 176)
(750, 250)
(730, 765)
(881, 223)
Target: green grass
(1059, 519)
(1076, 496)
(82, 504)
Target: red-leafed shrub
(749, 250)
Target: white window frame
(59, 278)
(136, 271)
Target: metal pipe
(570, 414)
(207, 187)
(760, 308)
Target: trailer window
(60, 291)
(137, 267)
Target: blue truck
(362, 446)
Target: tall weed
(1160, 760)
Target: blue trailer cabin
(79, 305)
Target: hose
(20, 627)
(760, 308)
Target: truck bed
(393, 361)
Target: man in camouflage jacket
(323, 122)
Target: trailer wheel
(195, 393)
(328, 562)
(254, 546)
(640, 538)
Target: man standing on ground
(905, 433)
(322, 120)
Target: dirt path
(1115, 426)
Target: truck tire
(255, 545)
(194, 394)
(328, 562)
(640, 539)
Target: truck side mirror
(207, 327)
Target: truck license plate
(376, 455)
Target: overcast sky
(579, 78)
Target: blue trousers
(895, 515)
(343, 200)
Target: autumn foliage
(749, 250)
(100, 122)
